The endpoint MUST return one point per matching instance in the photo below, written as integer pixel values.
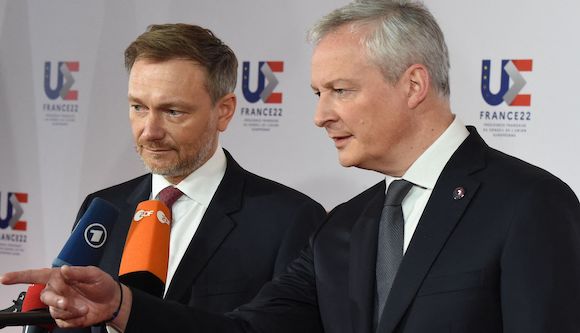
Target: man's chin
(168, 171)
(160, 169)
(345, 161)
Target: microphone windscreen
(146, 253)
(32, 300)
(32, 304)
(86, 244)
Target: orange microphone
(146, 254)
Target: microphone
(32, 305)
(84, 247)
(31, 311)
(146, 253)
(86, 244)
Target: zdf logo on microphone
(162, 218)
(141, 214)
(510, 71)
(95, 235)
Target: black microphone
(84, 247)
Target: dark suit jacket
(251, 230)
(504, 258)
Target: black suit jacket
(251, 230)
(504, 258)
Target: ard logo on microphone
(96, 235)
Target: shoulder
(511, 171)
(361, 200)
(260, 188)
(277, 197)
(496, 168)
(122, 190)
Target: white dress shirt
(424, 173)
(198, 189)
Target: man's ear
(418, 84)
(226, 107)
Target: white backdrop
(53, 152)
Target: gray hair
(402, 33)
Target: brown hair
(191, 42)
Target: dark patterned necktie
(169, 195)
(390, 242)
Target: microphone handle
(34, 329)
(25, 318)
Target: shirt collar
(201, 184)
(425, 171)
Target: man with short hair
(459, 237)
(232, 231)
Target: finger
(79, 274)
(62, 307)
(68, 312)
(51, 298)
(71, 323)
(59, 284)
(26, 276)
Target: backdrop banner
(64, 129)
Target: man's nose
(324, 112)
(153, 128)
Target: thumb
(81, 274)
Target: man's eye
(339, 91)
(174, 113)
(136, 107)
(317, 93)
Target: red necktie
(169, 195)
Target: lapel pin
(458, 193)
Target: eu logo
(64, 80)
(264, 92)
(510, 70)
(13, 211)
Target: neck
(430, 121)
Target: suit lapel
(112, 255)
(438, 221)
(214, 228)
(362, 262)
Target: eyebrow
(333, 83)
(164, 105)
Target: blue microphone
(84, 247)
(86, 244)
